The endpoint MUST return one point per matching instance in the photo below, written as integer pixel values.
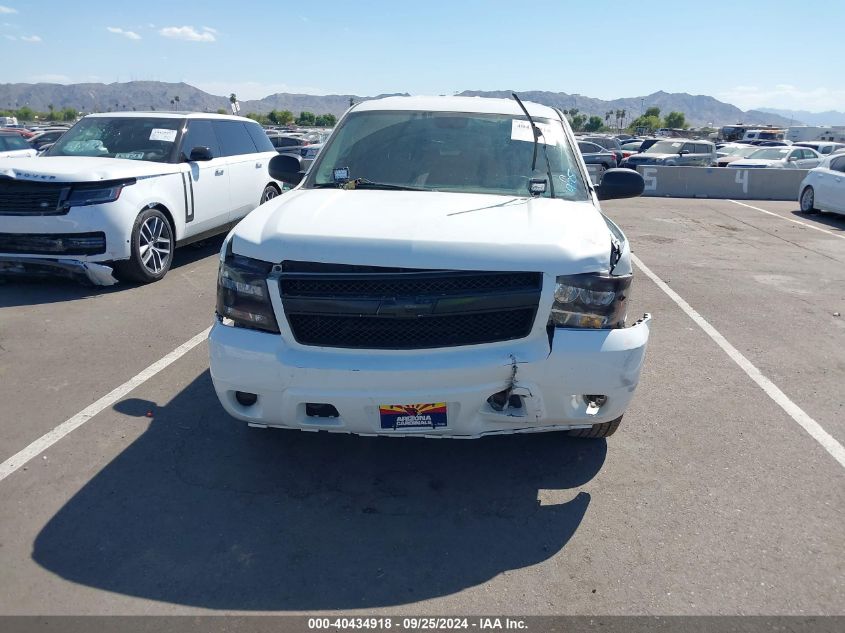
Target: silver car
(675, 152)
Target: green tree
(578, 121)
(285, 117)
(25, 114)
(652, 111)
(676, 120)
(325, 120)
(594, 124)
(69, 114)
(305, 118)
(650, 123)
(221, 111)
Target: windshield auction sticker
(162, 134)
(413, 416)
(521, 131)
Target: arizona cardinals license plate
(413, 416)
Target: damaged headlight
(243, 299)
(591, 300)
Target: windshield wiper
(365, 183)
(537, 135)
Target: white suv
(444, 269)
(124, 189)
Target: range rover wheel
(152, 249)
(808, 199)
(598, 430)
(269, 193)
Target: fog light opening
(594, 402)
(320, 410)
(245, 398)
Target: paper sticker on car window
(162, 134)
(131, 155)
(676, 144)
(521, 131)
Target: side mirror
(792, 159)
(683, 151)
(200, 154)
(620, 183)
(285, 169)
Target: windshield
(665, 147)
(635, 145)
(135, 138)
(770, 153)
(449, 151)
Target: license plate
(413, 416)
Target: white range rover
(122, 190)
(444, 269)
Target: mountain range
(830, 117)
(699, 110)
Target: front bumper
(550, 384)
(84, 272)
(108, 220)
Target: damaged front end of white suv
(443, 270)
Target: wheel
(269, 193)
(808, 199)
(598, 430)
(151, 249)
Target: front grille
(53, 243)
(392, 308)
(32, 198)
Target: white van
(6, 121)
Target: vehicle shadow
(16, 291)
(832, 220)
(203, 511)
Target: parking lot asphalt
(711, 499)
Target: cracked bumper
(84, 272)
(551, 384)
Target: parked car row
(429, 228)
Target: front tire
(808, 201)
(598, 430)
(152, 246)
(269, 193)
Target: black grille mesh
(53, 243)
(434, 285)
(30, 198)
(421, 333)
(444, 319)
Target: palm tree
(176, 99)
(624, 114)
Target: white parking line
(828, 442)
(48, 439)
(778, 215)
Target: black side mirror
(286, 169)
(683, 151)
(200, 154)
(620, 183)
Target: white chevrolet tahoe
(122, 190)
(444, 269)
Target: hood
(757, 162)
(644, 157)
(18, 153)
(81, 168)
(411, 229)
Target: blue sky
(736, 51)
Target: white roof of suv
(481, 105)
(169, 115)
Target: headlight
(243, 299)
(99, 193)
(591, 300)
